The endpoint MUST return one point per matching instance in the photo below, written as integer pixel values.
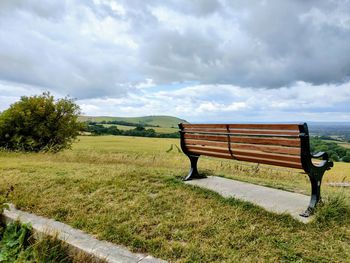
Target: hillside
(161, 121)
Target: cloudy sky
(202, 60)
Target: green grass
(128, 191)
(161, 121)
(18, 244)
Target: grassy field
(345, 144)
(341, 143)
(157, 129)
(161, 121)
(128, 191)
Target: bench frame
(314, 171)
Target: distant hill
(161, 121)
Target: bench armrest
(325, 158)
(322, 155)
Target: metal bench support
(314, 171)
(193, 174)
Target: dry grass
(128, 191)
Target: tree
(346, 159)
(334, 157)
(40, 123)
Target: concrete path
(274, 200)
(78, 240)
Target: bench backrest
(274, 144)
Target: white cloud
(302, 102)
(148, 83)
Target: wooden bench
(285, 145)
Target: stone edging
(77, 239)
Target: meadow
(157, 129)
(160, 121)
(128, 190)
(345, 144)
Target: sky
(200, 60)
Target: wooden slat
(212, 130)
(206, 137)
(246, 126)
(220, 126)
(272, 156)
(269, 161)
(255, 132)
(263, 155)
(252, 159)
(266, 141)
(252, 147)
(207, 149)
(265, 126)
(267, 148)
(219, 155)
(207, 143)
(249, 140)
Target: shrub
(40, 123)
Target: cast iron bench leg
(315, 180)
(193, 174)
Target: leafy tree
(335, 151)
(334, 157)
(139, 128)
(40, 123)
(346, 159)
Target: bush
(39, 123)
(346, 159)
(335, 151)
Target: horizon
(213, 122)
(203, 61)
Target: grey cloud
(47, 10)
(87, 49)
(196, 7)
(56, 55)
(281, 47)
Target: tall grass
(334, 210)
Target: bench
(285, 145)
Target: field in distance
(161, 121)
(157, 129)
(128, 190)
(344, 144)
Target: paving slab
(78, 239)
(273, 200)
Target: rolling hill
(161, 121)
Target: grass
(128, 191)
(344, 144)
(341, 143)
(161, 121)
(18, 244)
